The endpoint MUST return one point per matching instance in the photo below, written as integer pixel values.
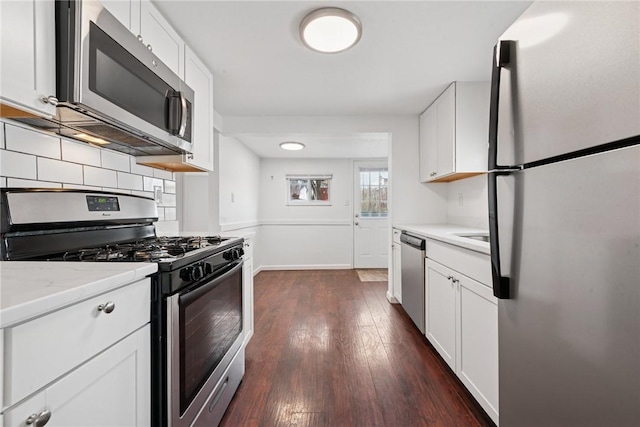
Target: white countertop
(447, 233)
(33, 288)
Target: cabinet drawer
(470, 263)
(39, 351)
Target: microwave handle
(183, 115)
(177, 120)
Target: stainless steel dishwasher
(412, 260)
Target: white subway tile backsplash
(169, 214)
(115, 160)
(148, 194)
(79, 152)
(100, 177)
(139, 169)
(129, 181)
(17, 165)
(31, 158)
(168, 200)
(57, 171)
(149, 183)
(27, 183)
(81, 187)
(31, 142)
(170, 187)
(161, 173)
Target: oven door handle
(196, 291)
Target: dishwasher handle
(413, 241)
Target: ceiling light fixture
(291, 146)
(330, 30)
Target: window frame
(297, 202)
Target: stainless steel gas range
(196, 306)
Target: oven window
(118, 76)
(209, 325)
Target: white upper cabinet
(28, 62)
(200, 79)
(161, 38)
(127, 12)
(454, 133)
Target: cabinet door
(247, 299)
(429, 143)
(163, 40)
(112, 389)
(441, 310)
(198, 77)
(478, 343)
(27, 61)
(397, 270)
(125, 12)
(446, 134)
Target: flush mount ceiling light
(330, 30)
(291, 146)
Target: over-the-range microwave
(111, 88)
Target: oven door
(204, 332)
(105, 70)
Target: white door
(370, 214)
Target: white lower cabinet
(462, 325)
(441, 310)
(84, 365)
(111, 389)
(247, 292)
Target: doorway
(370, 214)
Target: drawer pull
(108, 307)
(39, 420)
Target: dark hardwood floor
(329, 350)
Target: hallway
(329, 350)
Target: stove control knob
(208, 268)
(190, 274)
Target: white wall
(240, 185)
(238, 174)
(305, 236)
(33, 158)
(467, 203)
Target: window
(374, 184)
(308, 189)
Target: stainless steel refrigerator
(564, 214)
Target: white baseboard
(307, 267)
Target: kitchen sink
(478, 236)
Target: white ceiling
(409, 52)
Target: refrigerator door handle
(501, 58)
(501, 284)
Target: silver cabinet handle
(456, 281)
(140, 38)
(108, 307)
(39, 420)
(356, 223)
(50, 100)
(433, 174)
(150, 48)
(449, 277)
